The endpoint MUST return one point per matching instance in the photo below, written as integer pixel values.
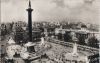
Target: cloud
(59, 3)
(89, 1)
(50, 10)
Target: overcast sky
(51, 10)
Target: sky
(51, 10)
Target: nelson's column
(30, 25)
(30, 21)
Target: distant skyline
(51, 10)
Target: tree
(81, 40)
(93, 42)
